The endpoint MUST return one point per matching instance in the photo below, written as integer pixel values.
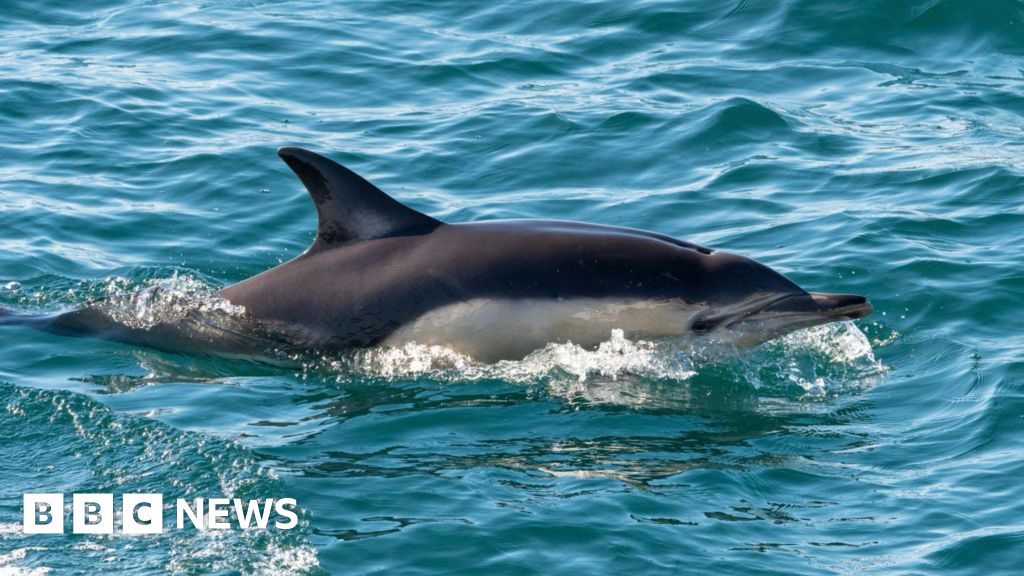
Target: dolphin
(382, 273)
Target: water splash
(161, 300)
(613, 359)
(143, 299)
(818, 361)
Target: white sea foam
(9, 563)
(162, 300)
(817, 360)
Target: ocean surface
(872, 147)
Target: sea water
(871, 147)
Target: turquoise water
(875, 149)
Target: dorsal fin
(349, 208)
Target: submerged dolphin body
(380, 272)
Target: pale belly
(491, 330)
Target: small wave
(10, 562)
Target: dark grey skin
(380, 272)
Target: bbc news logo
(144, 513)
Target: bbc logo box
(93, 513)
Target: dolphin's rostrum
(380, 272)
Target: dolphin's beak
(798, 311)
(827, 307)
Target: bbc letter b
(43, 514)
(92, 513)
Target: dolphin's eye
(702, 326)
